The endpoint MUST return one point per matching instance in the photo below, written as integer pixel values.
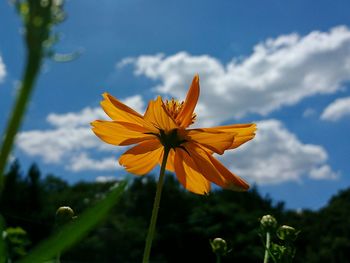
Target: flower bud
(287, 233)
(268, 223)
(219, 246)
(64, 214)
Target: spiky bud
(268, 223)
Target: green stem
(154, 216)
(267, 247)
(14, 123)
(218, 258)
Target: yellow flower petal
(170, 161)
(242, 132)
(164, 125)
(118, 111)
(157, 115)
(234, 182)
(119, 133)
(188, 173)
(216, 141)
(213, 170)
(184, 118)
(142, 158)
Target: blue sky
(282, 64)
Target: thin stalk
(267, 247)
(155, 209)
(19, 108)
(218, 258)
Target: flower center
(171, 139)
(174, 107)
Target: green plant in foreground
(71, 232)
(39, 17)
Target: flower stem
(267, 247)
(154, 216)
(218, 258)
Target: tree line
(185, 226)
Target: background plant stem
(155, 209)
(267, 247)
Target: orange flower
(163, 128)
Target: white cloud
(337, 110)
(53, 145)
(323, 172)
(76, 119)
(279, 72)
(276, 155)
(88, 114)
(105, 179)
(2, 70)
(83, 162)
(71, 138)
(309, 112)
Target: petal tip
(242, 187)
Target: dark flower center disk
(171, 139)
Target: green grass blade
(75, 231)
(2, 241)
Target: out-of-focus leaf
(75, 231)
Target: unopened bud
(64, 214)
(219, 246)
(287, 233)
(268, 223)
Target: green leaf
(75, 231)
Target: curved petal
(142, 158)
(120, 133)
(184, 118)
(235, 182)
(188, 173)
(214, 171)
(118, 111)
(215, 141)
(241, 132)
(158, 116)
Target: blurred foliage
(16, 240)
(186, 221)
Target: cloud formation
(279, 72)
(338, 109)
(83, 162)
(2, 70)
(88, 114)
(71, 138)
(276, 155)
